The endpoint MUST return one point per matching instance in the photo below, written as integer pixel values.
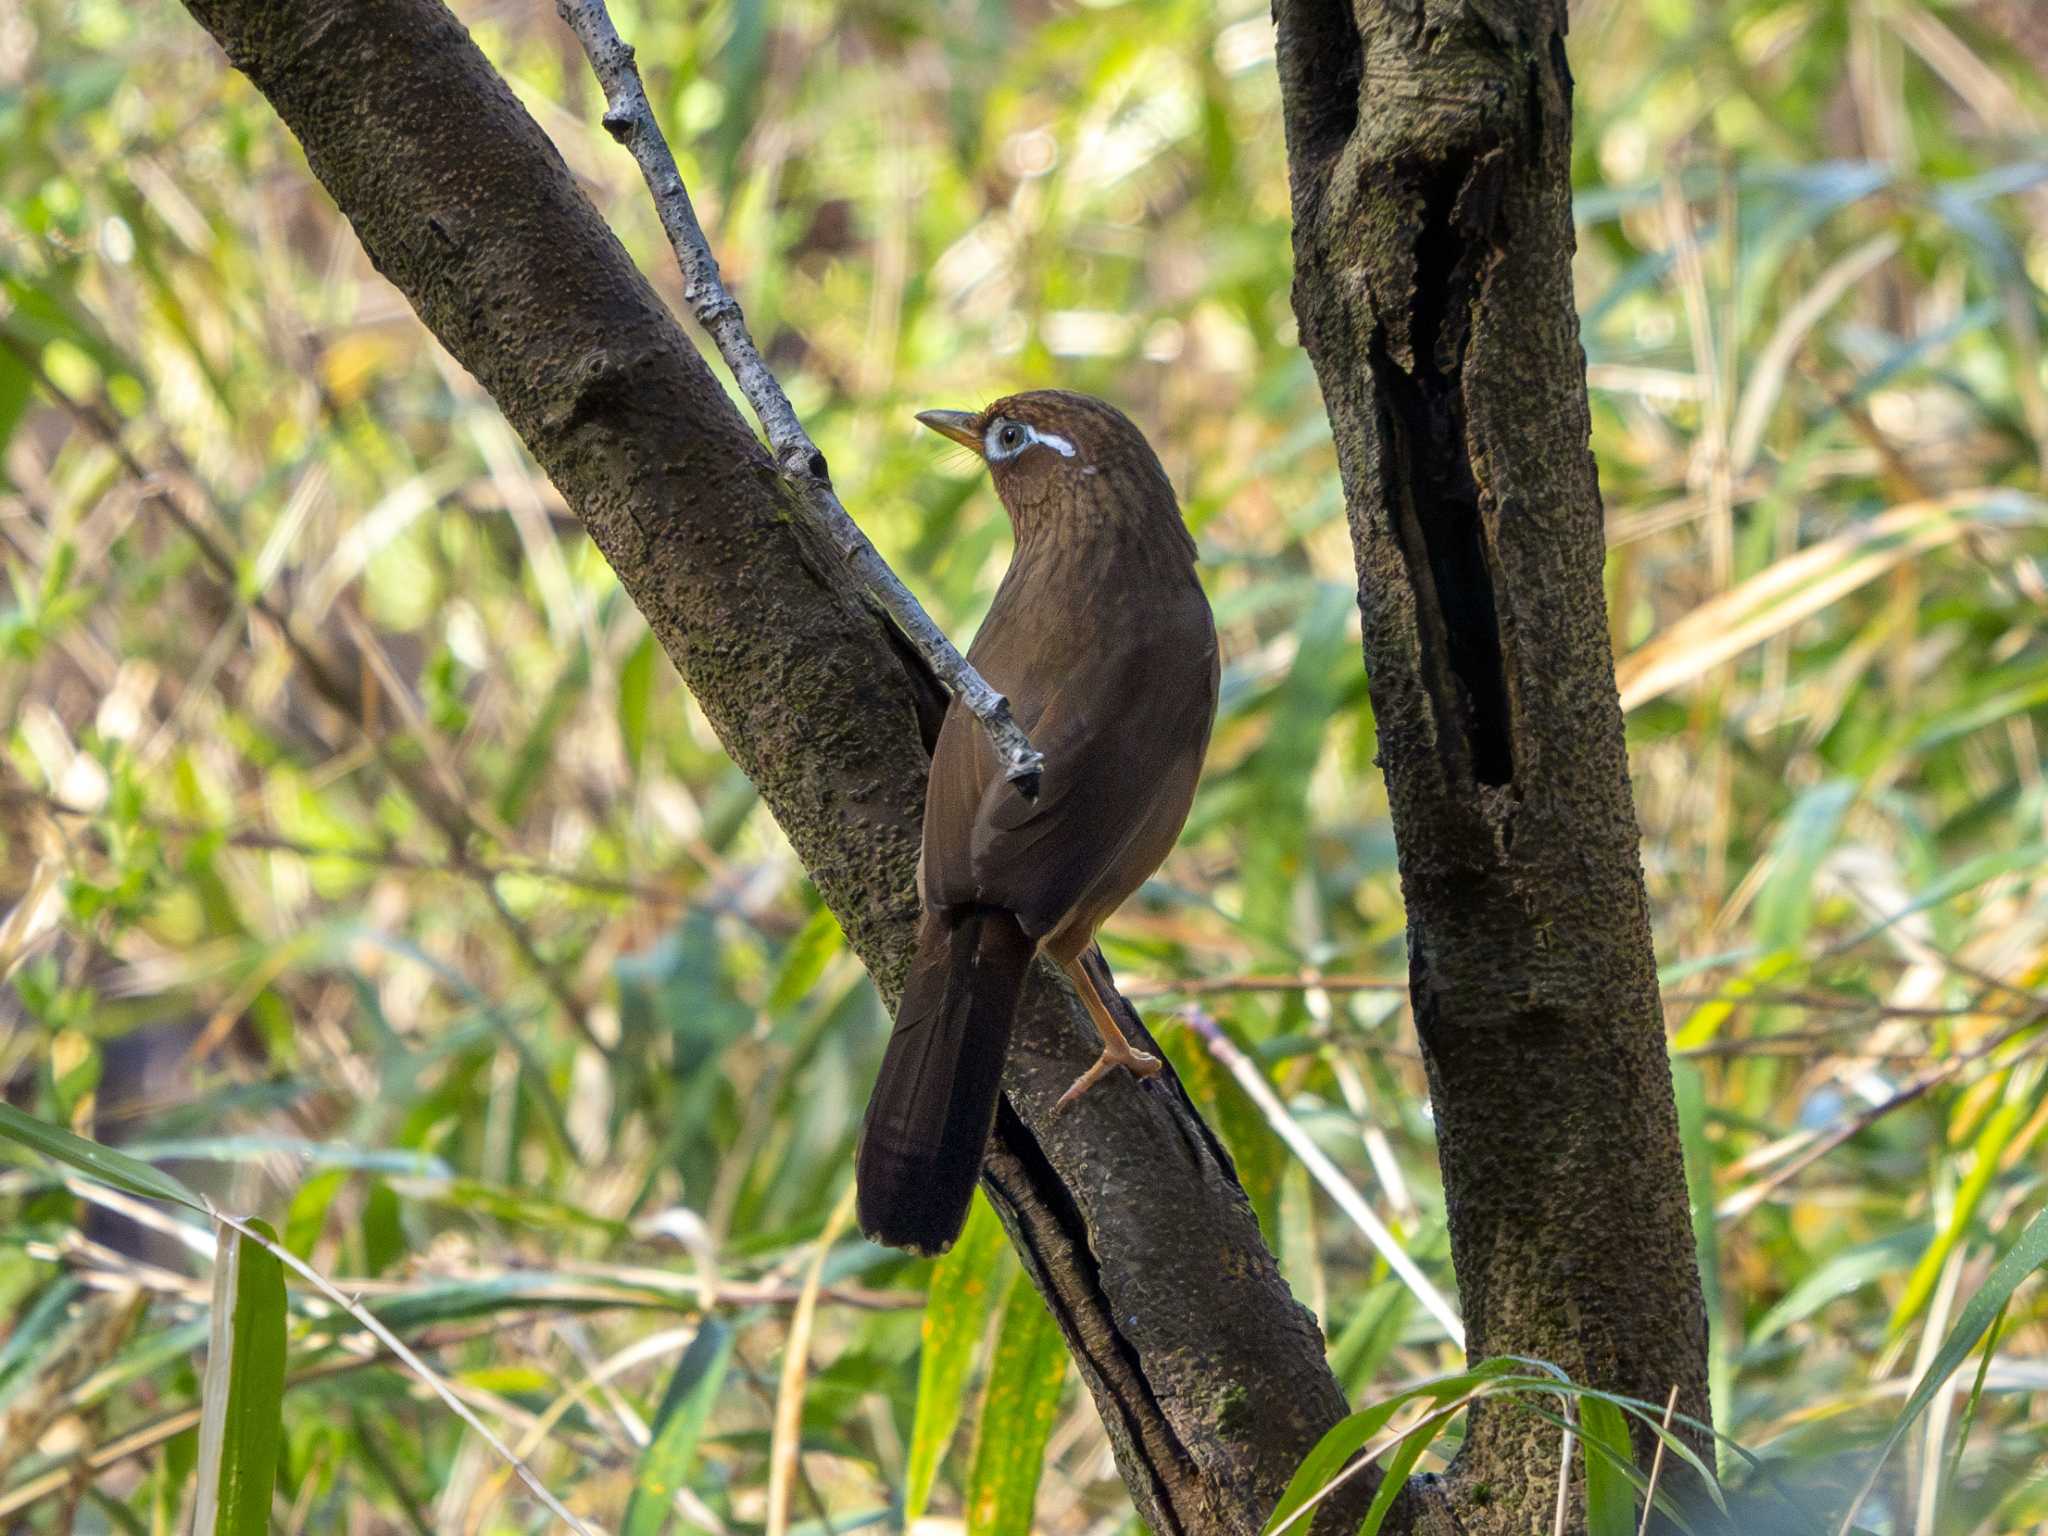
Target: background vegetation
(571, 1104)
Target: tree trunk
(1429, 145)
(1479, 549)
(1128, 1215)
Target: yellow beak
(958, 425)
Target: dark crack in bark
(1433, 288)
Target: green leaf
(1784, 905)
(2025, 1256)
(1399, 1465)
(383, 1229)
(1846, 1272)
(1976, 1397)
(530, 762)
(804, 960)
(1610, 1497)
(2005, 1120)
(956, 1309)
(1957, 881)
(1331, 1454)
(636, 689)
(1370, 1335)
(242, 1397)
(98, 1162)
(16, 387)
(33, 1328)
(513, 1205)
(306, 1218)
(678, 1426)
(1016, 1417)
(1349, 1435)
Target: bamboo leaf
(1406, 1454)
(2004, 1122)
(1349, 1435)
(2024, 1257)
(242, 1397)
(636, 688)
(1804, 584)
(1604, 1444)
(90, 1158)
(678, 1426)
(963, 1292)
(1016, 1417)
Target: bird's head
(1064, 463)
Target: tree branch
(630, 119)
(1209, 1376)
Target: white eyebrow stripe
(992, 449)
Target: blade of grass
(2024, 1257)
(1802, 585)
(1023, 1398)
(241, 1422)
(1327, 1174)
(89, 1157)
(1610, 1498)
(1329, 1463)
(1657, 1463)
(678, 1426)
(1407, 1452)
(1955, 1460)
(412, 1361)
(2017, 1103)
(963, 1293)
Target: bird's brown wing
(1120, 736)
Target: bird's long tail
(928, 1120)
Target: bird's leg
(1117, 1051)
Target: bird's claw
(1141, 1064)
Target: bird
(1101, 638)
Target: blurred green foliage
(491, 1088)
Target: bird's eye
(1011, 437)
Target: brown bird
(1101, 638)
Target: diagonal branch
(630, 119)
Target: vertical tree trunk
(1429, 143)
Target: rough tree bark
(1532, 972)
(1429, 145)
(1127, 1213)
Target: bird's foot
(1142, 1064)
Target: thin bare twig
(259, 841)
(630, 119)
(1821, 1143)
(1657, 1463)
(1564, 1470)
(785, 1448)
(1346, 981)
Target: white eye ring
(1007, 439)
